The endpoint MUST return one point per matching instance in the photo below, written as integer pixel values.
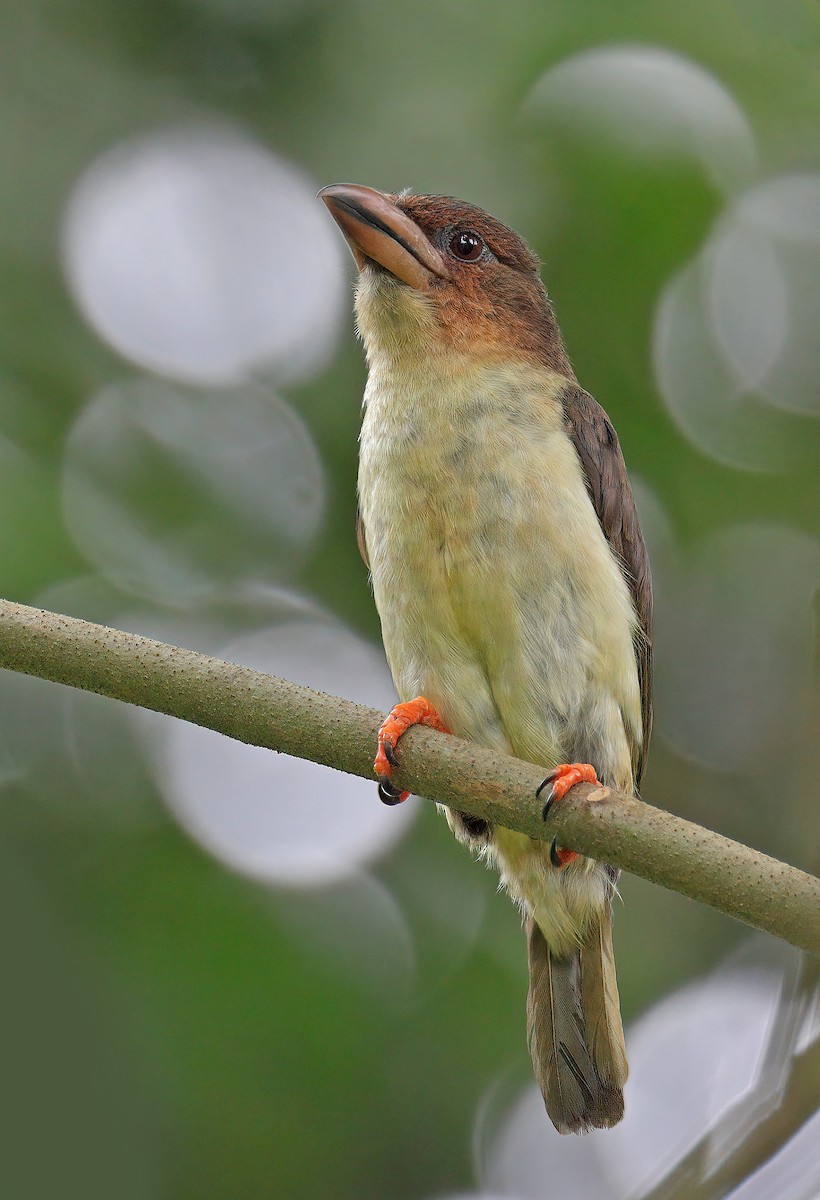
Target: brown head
(439, 271)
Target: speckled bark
(265, 711)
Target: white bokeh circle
(747, 301)
(697, 385)
(785, 208)
(172, 491)
(735, 340)
(200, 254)
(277, 818)
(785, 213)
(654, 102)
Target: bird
(511, 579)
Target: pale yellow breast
(498, 595)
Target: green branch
(265, 711)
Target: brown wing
(360, 539)
(608, 483)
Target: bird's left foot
(562, 779)
(412, 712)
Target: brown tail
(574, 1031)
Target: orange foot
(412, 712)
(562, 779)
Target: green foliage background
(165, 1031)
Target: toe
(383, 765)
(562, 779)
(559, 856)
(410, 712)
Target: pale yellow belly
(501, 602)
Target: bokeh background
(229, 975)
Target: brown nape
(494, 308)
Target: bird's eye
(466, 245)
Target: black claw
(554, 859)
(545, 811)
(390, 754)
(388, 793)
(548, 779)
(550, 798)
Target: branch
(265, 711)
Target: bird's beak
(378, 231)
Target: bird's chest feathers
(448, 463)
(491, 573)
(436, 479)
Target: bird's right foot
(411, 712)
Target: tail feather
(574, 1031)
(600, 1006)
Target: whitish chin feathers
(392, 318)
